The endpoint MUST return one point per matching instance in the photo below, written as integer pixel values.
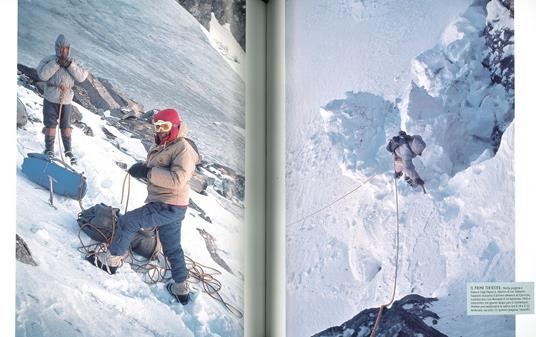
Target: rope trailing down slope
(383, 306)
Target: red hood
(169, 115)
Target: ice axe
(423, 189)
(51, 188)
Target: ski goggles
(162, 126)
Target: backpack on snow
(56, 174)
(98, 221)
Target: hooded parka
(57, 77)
(172, 166)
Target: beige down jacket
(172, 166)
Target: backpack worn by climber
(396, 141)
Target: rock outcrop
(23, 253)
(406, 318)
(95, 94)
(210, 243)
(226, 11)
(22, 115)
(499, 36)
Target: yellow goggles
(162, 126)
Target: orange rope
(153, 269)
(383, 306)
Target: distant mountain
(226, 11)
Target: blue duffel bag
(40, 169)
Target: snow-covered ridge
(453, 102)
(229, 13)
(223, 41)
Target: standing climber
(169, 166)
(404, 148)
(60, 72)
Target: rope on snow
(157, 268)
(383, 306)
(333, 202)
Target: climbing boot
(68, 150)
(49, 145)
(410, 182)
(105, 261)
(180, 291)
(71, 156)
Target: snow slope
(155, 52)
(66, 296)
(342, 260)
(224, 42)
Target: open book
(273, 168)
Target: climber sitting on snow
(405, 147)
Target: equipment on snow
(99, 221)
(55, 175)
(51, 189)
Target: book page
(130, 168)
(400, 177)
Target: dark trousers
(168, 219)
(51, 115)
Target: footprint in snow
(106, 183)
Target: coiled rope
(383, 306)
(157, 268)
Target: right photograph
(399, 167)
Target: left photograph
(130, 168)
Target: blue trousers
(168, 219)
